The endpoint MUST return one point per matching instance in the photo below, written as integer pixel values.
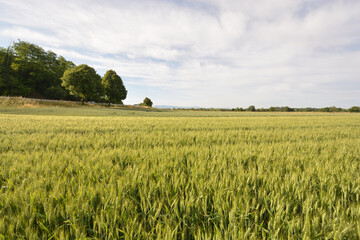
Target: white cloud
(267, 52)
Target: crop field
(68, 173)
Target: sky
(204, 53)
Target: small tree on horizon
(252, 108)
(147, 102)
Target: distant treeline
(289, 109)
(276, 109)
(27, 70)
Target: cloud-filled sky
(207, 53)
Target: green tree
(62, 66)
(3, 55)
(27, 70)
(325, 109)
(252, 108)
(334, 109)
(147, 102)
(29, 67)
(82, 81)
(10, 84)
(115, 91)
(287, 109)
(354, 109)
(57, 67)
(38, 71)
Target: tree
(36, 72)
(354, 109)
(62, 66)
(287, 109)
(333, 109)
(252, 108)
(29, 66)
(82, 81)
(147, 102)
(3, 65)
(325, 109)
(10, 84)
(115, 91)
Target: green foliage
(244, 177)
(30, 66)
(2, 68)
(115, 90)
(289, 109)
(252, 108)
(10, 84)
(354, 109)
(238, 109)
(83, 81)
(335, 109)
(147, 102)
(27, 70)
(56, 92)
(280, 109)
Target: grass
(146, 112)
(20, 102)
(87, 173)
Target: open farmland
(111, 174)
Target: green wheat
(178, 175)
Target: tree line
(289, 109)
(28, 70)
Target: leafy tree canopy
(115, 91)
(252, 108)
(354, 109)
(30, 71)
(83, 81)
(147, 102)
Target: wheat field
(120, 174)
